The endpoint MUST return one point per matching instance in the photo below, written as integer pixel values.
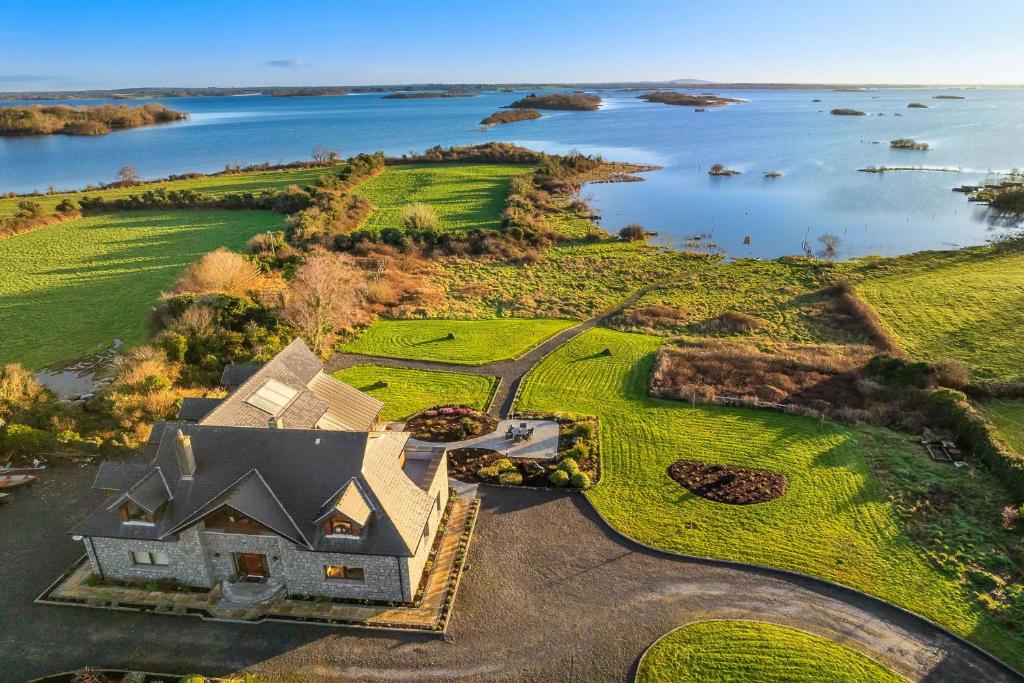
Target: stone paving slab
(430, 615)
(542, 445)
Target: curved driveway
(550, 594)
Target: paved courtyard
(548, 594)
(542, 444)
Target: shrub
(219, 271)
(1011, 517)
(489, 472)
(569, 466)
(633, 233)
(418, 216)
(510, 478)
(21, 439)
(583, 430)
(503, 465)
(580, 480)
(733, 322)
(559, 478)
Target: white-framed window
(146, 558)
(336, 572)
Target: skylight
(272, 397)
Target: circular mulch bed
(450, 423)
(728, 483)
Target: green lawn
(1008, 417)
(211, 185)
(967, 305)
(410, 391)
(755, 652)
(835, 520)
(465, 196)
(476, 342)
(70, 289)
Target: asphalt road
(550, 594)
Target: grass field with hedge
(406, 392)
(215, 186)
(755, 652)
(70, 289)
(465, 342)
(834, 521)
(783, 296)
(464, 196)
(1008, 417)
(573, 280)
(967, 305)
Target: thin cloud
(286, 64)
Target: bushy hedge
(974, 430)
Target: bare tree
(320, 153)
(829, 246)
(128, 175)
(323, 297)
(219, 271)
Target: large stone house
(285, 481)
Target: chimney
(274, 422)
(183, 452)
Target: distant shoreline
(476, 88)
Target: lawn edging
(792, 574)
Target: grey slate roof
(235, 374)
(320, 400)
(149, 493)
(118, 476)
(280, 477)
(195, 409)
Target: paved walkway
(541, 445)
(549, 594)
(510, 373)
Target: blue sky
(104, 44)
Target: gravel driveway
(550, 595)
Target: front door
(252, 565)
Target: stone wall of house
(113, 559)
(302, 571)
(412, 567)
(201, 557)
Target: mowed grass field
(464, 196)
(755, 652)
(70, 289)
(410, 391)
(1008, 417)
(967, 305)
(475, 342)
(212, 185)
(834, 521)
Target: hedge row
(973, 429)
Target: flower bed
(450, 423)
(576, 464)
(728, 483)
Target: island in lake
(949, 97)
(688, 100)
(564, 101)
(917, 105)
(847, 112)
(510, 116)
(427, 95)
(97, 120)
(907, 143)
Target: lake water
(775, 130)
